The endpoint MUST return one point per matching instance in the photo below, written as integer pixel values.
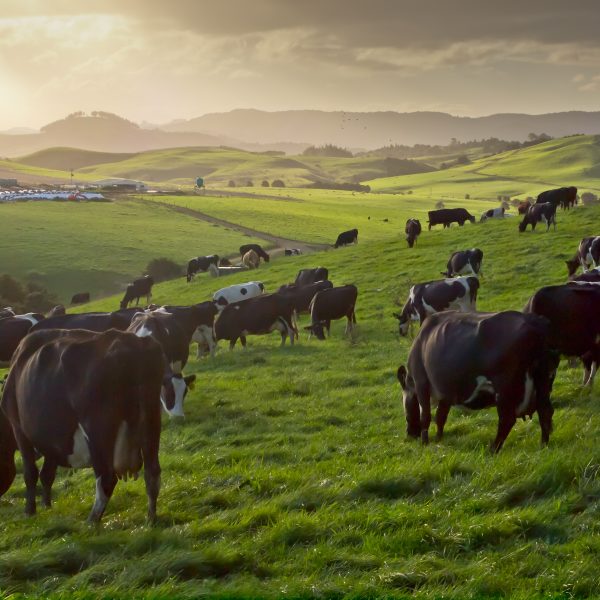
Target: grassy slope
(98, 247)
(291, 475)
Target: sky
(158, 60)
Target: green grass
(291, 475)
(100, 246)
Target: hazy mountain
(18, 131)
(376, 129)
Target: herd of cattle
(86, 390)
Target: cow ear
(401, 374)
(190, 381)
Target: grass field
(291, 475)
(99, 246)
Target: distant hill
(65, 159)
(371, 130)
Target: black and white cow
(256, 316)
(425, 299)
(308, 276)
(493, 213)
(256, 248)
(200, 264)
(83, 399)
(13, 330)
(331, 304)
(237, 293)
(292, 251)
(545, 213)
(138, 289)
(464, 262)
(412, 231)
(591, 276)
(587, 256)
(80, 298)
(347, 237)
(478, 360)
(166, 329)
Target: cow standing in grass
(544, 213)
(412, 231)
(587, 256)
(139, 288)
(331, 304)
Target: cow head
(317, 329)
(404, 318)
(523, 225)
(572, 266)
(173, 392)
(410, 402)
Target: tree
(265, 183)
(231, 183)
(439, 204)
(249, 183)
(278, 183)
(11, 290)
(467, 196)
(162, 269)
(588, 198)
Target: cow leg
(328, 327)
(545, 412)
(441, 415)
(424, 397)
(429, 226)
(232, 343)
(243, 341)
(151, 474)
(106, 478)
(47, 475)
(30, 470)
(506, 421)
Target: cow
(523, 207)
(302, 295)
(308, 276)
(96, 321)
(58, 311)
(137, 289)
(7, 311)
(330, 304)
(83, 399)
(220, 271)
(251, 260)
(591, 276)
(256, 316)
(478, 360)
(237, 292)
(464, 262)
(564, 197)
(257, 248)
(545, 213)
(493, 213)
(196, 320)
(447, 216)
(292, 251)
(347, 237)
(175, 341)
(572, 310)
(80, 298)
(425, 299)
(412, 231)
(587, 256)
(13, 330)
(200, 264)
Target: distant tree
(249, 183)
(515, 202)
(162, 269)
(327, 150)
(231, 183)
(11, 290)
(588, 198)
(463, 159)
(505, 205)
(278, 183)
(265, 183)
(31, 297)
(439, 204)
(467, 196)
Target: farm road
(279, 242)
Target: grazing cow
(447, 216)
(219, 271)
(546, 213)
(257, 248)
(464, 262)
(197, 321)
(13, 330)
(412, 231)
(7, 311)
(564, 197)
(493, 213)
(330, 304)
(479, 360)
(200, 264)
(308, 276)
(237, 292)
(302, 295)
(256, 316)
(572, 310)
(251, 260)
(97, 321)
(591, 276)
(523, 207)
(425, 299)
(166, 329)
(347, 237)
(292, 251)
(80, 298)
(83, 399)
(137, 289)
(587, 256)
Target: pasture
(292, 476)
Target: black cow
(200, 264)
(546, 213)
(80, 298)
(257, 248)
(412, 231)
(572, 310)
(330, 304)
(302, 295)
(137, 289)
(256, 316)
(167, 330)
(425, 299)
(564, 197)
(308, 276)
(347, 237)
(83, 399)
(587, 256)
(591, 276)
(464, 262)
(13, 330)
(96, 321)
(447, 216)
(479, 360)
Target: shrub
(278, 183)
(231, 183)
(439, 204)
(162, 269)
(31, 297)
(467, 196)
(249, 183)
(588, 198)
(265, 183)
